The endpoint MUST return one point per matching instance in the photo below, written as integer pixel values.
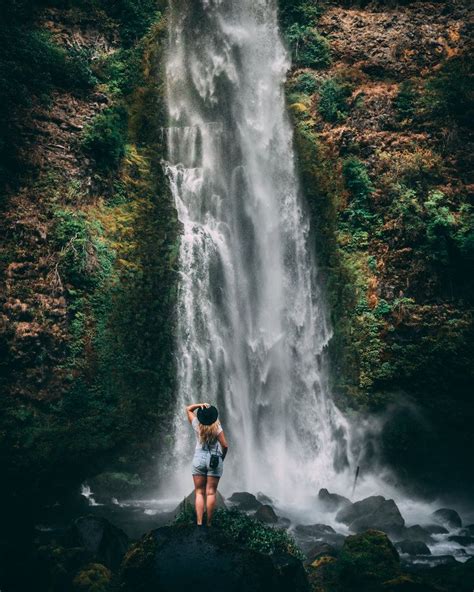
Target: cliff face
(381, 96)
(89, 242)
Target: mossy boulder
(94, 577)
(183, 557)
(367, 560)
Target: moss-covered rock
(92, 578)
(366, 560)
(178, 557)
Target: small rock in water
(314, 530)
(245, 501)
(332, 501)
(435, 529)
(463, 540)
(447, 517)
(266, 514)
(413, 547)
(264, 499)
(469, 529)
(416, 533)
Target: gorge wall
(379, 96)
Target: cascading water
(252, 327)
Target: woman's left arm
(193, 407)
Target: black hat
(207, 415)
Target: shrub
(298, 11)
(449, 93)
(309, 49)
(359, 185)
(135, 17)
(104, 139)
(305, 83)
(333, 96)
(83, 257)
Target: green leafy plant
(333, 105)
(305, 83)
(104, 139)
(309, 49)
(246, 531)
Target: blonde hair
(208, 433)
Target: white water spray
(252, 326)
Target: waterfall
(252, 325)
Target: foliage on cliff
(89, 242)
(383, 139)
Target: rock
(314, 530)
(463, 540)
(435, 529)
(407, 583)
(413, 547)
(266, 514)
(447, 517)
(106, 542)
(469, 530)
(373, 512)
(95, 577)
(417, 533)
(190, 500)
(332, 501)
(320, 550)
(264, 499)
(175, 558)
(245, 501)
(360, 508)
(366, 560)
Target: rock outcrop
(172, 559)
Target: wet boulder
(314, 530)
(447, 517)
(372, 513)
(417, 533)
(94, 577)
(264, 499)
(245, 501)
(407, 583)
(413, 547)
(266, 514)
(463, 540)
(367, 560)
(98, 536)
(190, 500)
(435, 529)
(332, 501)
(175, 558)
(318, 551)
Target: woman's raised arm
(193, 407)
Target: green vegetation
(104, 139)
(245, 531)
(333, 95)
(309, 49)
(360, 189)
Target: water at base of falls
(252, 326)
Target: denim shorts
(201, 464)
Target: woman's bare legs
(211, 493)
(200, 489)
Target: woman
(210, 439)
